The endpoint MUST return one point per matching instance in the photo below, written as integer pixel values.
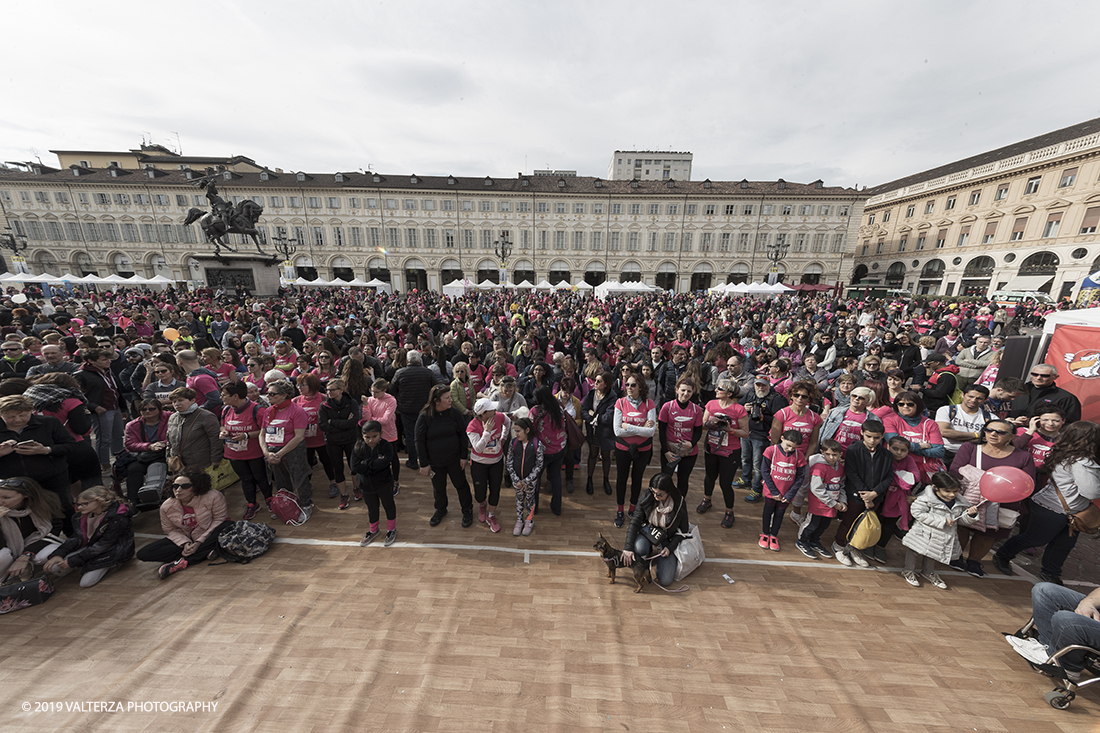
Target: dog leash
(681, 589)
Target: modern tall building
(1021, 217)
(425, 231)
(649, 165)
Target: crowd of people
(816, 409)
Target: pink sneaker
(773, 544)
(494, 525)
(764, 541)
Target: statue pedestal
(254, 272)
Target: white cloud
(850, 92)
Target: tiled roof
(1025, 146)
(574, 185)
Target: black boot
(589, 488)
(607, 487)
(569, 486)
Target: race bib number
(311, 430)
(237, 443)
(275, 436)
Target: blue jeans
(666, 566)
(752, 460)
(1044, 527)
(108, 429)
(1052, 607)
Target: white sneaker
(1030, 649)
(859, 559)
(838, 549)
(935, 580)
(842, 556)
(795, 517)
(911, 578)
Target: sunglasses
(1046, 376)
(800, 396)
(160, 371)
(997, 432)
(631, 384)
(187, 485)
(906, 404)
(150, 409)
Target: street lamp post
(503, 250)
(16, 243)
(775, 253)
(285, 247)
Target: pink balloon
(1005, 484)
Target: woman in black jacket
(663, 508)
(338, 418)
(37, 447)
(103, 538)
(442, 450)
(598, 410)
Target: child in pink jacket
(382, 407)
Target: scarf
(661, 513)
(194, 406)
(47, 396)
(14, 538)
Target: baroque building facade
(1022, 217)
(425, 231)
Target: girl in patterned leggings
(524, 462)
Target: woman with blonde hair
(103, 537)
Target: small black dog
(614, 560)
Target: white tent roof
(372, 283)
(525, 285)
(737, 288)
(583, 285)
(779, 288)
(9, 276)
(756, 287)
(509, 286)
(1081, 317)
(487, 285)
(136, 280)
(563, 285)
(544, 285)
(160, 279)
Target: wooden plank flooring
(327, 636)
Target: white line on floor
(527, 553)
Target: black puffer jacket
(111, 543)
(340, 421)
(678, 525)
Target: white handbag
(689, 553)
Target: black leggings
(596, 455)
(723, 469)
(772, 518)
(253, 473)
(634, 468)
(487, 478)
(375, 495)
(889, 529)
(817, 526)
(395, 464)
(682, 472)
(165, 550)
(320, 452)
(337, 454)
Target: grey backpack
(244, 541)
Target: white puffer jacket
(930, 536)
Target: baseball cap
(485, 404)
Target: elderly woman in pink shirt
(382, 406)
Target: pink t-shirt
(279, 424)
(719, 442)
(240, 447)
(804, 423)
(681, 422)
(849, 430)
(784, 470)
(312, 407)
(202, 384)
(224, 372)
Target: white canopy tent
(457, 288)
(525, 285)
(488, 285)
(544, 285)
(583, 285)
(757, 288)
(1081, 317)
(509, 286)
(563, 285)
(779, 288)
(378, 285)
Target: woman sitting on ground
(30, 520)
(192, 518)
(103, 537)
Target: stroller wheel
(1059, 699)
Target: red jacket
(133, 438)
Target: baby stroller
(151, 493)
(1062, 695)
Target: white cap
(485, 404)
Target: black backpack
(244, 541)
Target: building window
(950, 203)
(885, 216)
(578, 208)
(559, 207)
(353, 202)
(964, 237)
(449, 238)
(743, 242)
(819, 242)
(467, 205)
(559, 240)
(865, 248)
(319, 236)
(374, 237)
(691, 209)
(800, 242)
(635, 209)
(314, 202)
(597, 208)
(123, 199)
(1002, 193)
(941, 239)
(843, 210)
(870, 219)
(975, 197)
(731, 209)
(1032, 185)
(787, 210)
(825, 210)
(103, 199)
(1068, 177)
(596, 240)
(578, 240)
(654, 209)
(338, 236)
(838, 242)
(357, 237)
(524, 207)
(652, 242)
(393, 235)
(633, 241)
(879, 246)
(410, 204)
(920, 242)
(616, 208)
(446, 205)
(990, 232)
(724, 242)
(487, 239)
(685, 242)
(1092, 218)
(708, 209)
(391, 204)
(928, 207)
(706, 242)
(912, 209)
(615, 241)
(485, 206)
(1051, 229)
(333, 202)
(1018, 228)
(674, 209)
(902, 243)
(542, 207)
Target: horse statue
(225, 218)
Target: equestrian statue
(225, 218)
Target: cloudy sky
(850, 92)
